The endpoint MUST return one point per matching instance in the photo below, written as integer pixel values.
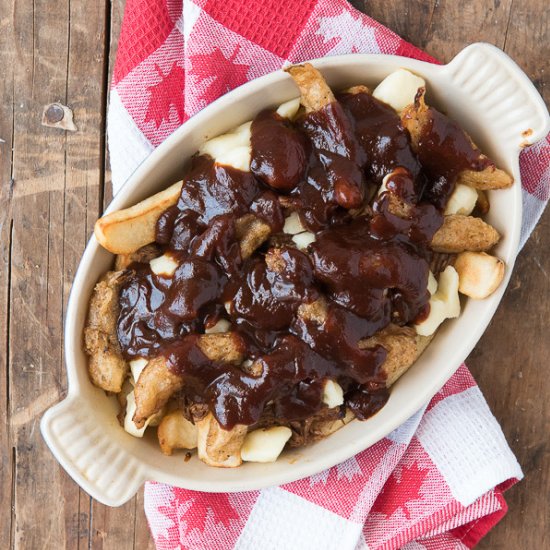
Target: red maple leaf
(168, 92)
(397, 494)
(223, 75)
(200, 503)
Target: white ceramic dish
(481, 88)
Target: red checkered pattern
(434, 483)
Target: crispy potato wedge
(143, 255)
(157, 383)
(358, 89)
(489, 178)
(107, 367)
(323, 428)
(459, 233)
(479, 274)
(219, 447)
(176, 432)
(315, 93)
(154, 387)
(401, 345)
(251, 232)
(482, 205)
(126, 231)
(416, 117)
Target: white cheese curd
(129, 425)
(333, 394)
(164, 265)
(136, 368)
(303, 240)
(444, 303)
(288, 109)
(265, 445)
(293, 224)
(479, 274)
(462, 201)
(432, 283)
(399, 89)
(223, 325)
(231, 149)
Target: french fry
(143, 255)
(126, 231)
(323, 428)
(459, 233)
(416, 117)
(315, 93)
(479, 274)
(400, 343)
(176, 432)
(106, 366)
(219, 447)
(483, 205)
(157, 383)
(251, 232)
(358, 89)
(154, 387)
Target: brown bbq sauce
(444, 151)
(368, 265)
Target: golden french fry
(128, 230)
(143, 255)
(323, 428)
(459, 233)
(358, 89)
(490, 177)
(400, 343)
(154, 387)
(483, 205)
(314, 91)
(157, 383)
(176, 432)
(251, 232)
(106, 366)
(416, 117)
(219, 447)
(314, 311)
(479, 274)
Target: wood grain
(53, 185)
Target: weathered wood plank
(111, 528)
(55, 175)
(6, 138)
(516, 345)
(509, 361)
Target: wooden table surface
(53, 186)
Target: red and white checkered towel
(434, 483)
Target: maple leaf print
(220, 72)
(195, 509)
(347, 34)
(398, 493)
(167, 93)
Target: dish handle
(501, 92)
(105, 470)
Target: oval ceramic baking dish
(481, 88)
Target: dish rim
(123, 198)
